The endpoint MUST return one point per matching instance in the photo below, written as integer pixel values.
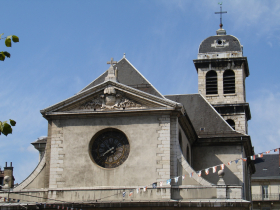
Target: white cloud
(262, 16)
(265, 126)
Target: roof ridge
(143, 77)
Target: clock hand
(108, 151)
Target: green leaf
(8, 42)
(12, 122)
(7, 129)
(1, 35)
(15, 38)
(7, 54)
(2, 56)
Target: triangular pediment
(110, 96)
(129, 76)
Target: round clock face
(110, 149)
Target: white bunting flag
(214, 169)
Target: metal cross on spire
(221, 12)
(112, 62)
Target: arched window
(180, 140)
(188, 154)
(211, 83)
(229, 82)
(231, 123)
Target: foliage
(8, 43)
(6, 128)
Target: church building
(120, 143)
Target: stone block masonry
(163, 154)
(57, 156)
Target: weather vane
(221, 12)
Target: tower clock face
(110, 149)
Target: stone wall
(57, 156)
(208, 156)
(163, 153)
(221, 98)
(241, 124)
(71, 164)
(238, 97)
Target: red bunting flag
(222, 166)
(229, 163)
(199, 173)
(267, 152)
(207, 171)
(260, 155)
(244, 159)
(276, 150)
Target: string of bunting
(199, 173)
(154, 185)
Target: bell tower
(222, 70)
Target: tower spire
(221, 31)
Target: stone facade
(166, 142)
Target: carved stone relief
(111, 99)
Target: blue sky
(64, 45)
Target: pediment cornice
(111, 96)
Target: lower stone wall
(184, 192)
(91, 195)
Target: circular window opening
(109, 148)
(219, 41)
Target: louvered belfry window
(211, 83)
(229, 82)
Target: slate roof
(234, 44)
(267, 166)
(206, 121)
(128, 75)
